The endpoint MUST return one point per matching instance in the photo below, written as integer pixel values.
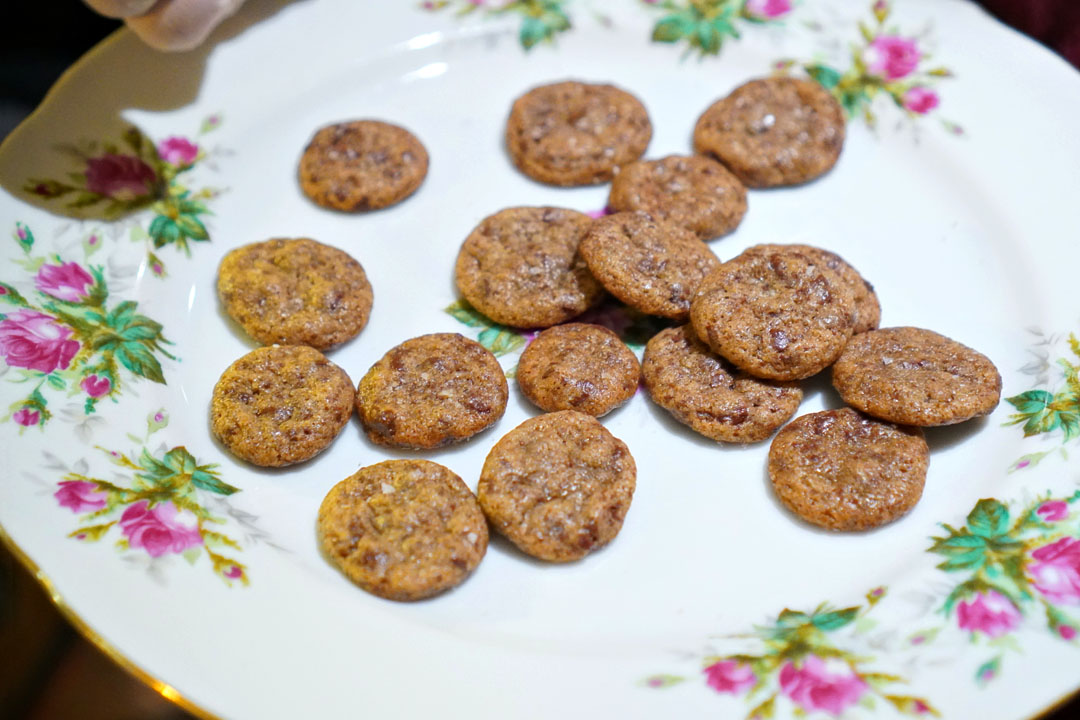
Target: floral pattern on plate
(70, 336)
(114, 179)
(705, 24)
(1050, 410)
(541, 20)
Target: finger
(181, 24)
(120, 8)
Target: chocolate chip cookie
(403, 529)
(280, 405)
(916, 377)
(573, 133)
(558, 486)
(578, 367)
(842, 470)
(431, 391)
(295, 292)
(362, 165)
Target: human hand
(169, 24)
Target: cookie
(573, 133)
(521, 267)
(431, 391)
(362, 165)
(867, 308)
(295, 292)
(842, 470)
(578, 367)
(779, 315)
(702, 391)
(694, 192)
(650, 265)
(916, 377)
(280, 405)
(403, 529)
(773, 132)
(558, 486)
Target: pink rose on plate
(159, 529)
(178, 151)
(1053, 511)
(80, 496)
(1056, 571)
(892, 57)
(123, 177)
(68, 281)
(96, 386)
(33, 340)
(921, 100)
(830, 685)
(767, 9)
(26, 417)
(728, 676)
(990, 613)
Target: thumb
(181, 24)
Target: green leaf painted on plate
(989, 518)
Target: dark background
(48, 671)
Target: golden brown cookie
(578, 367)
(702, 391)
(842, 470)
(558, 486)
(774, 131)
(362, 165)
(779, 315)
(694, 192)
(916, 377)
(280, 405)
(295, 292)
(867, 308)
(403, 529)
(573, 133)
(431, 391)
(652, 266)
(521, 267)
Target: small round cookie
(774, 131)
(362, 165)
(521, 267)
(867, 308)
(650, 265)
(780, 315)
(295, 292)
(842, 470)
(280, 405)
(694, 192)
(403, 529)
(916, 377)
(578, 367)
(558, 486)
(431, 391)
(702, 391)
(573, 133)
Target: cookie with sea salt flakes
(842, 470)
(295, 292)
(650, 265)
(578, 367)
(431, 391)
(558, 486)
(701, 390)
(916, 377)
(280, 405)
(521, 267)
(362, 165)
(574, 133)
(693, 191)
(774, 131)
(403, 529)
(778, 315)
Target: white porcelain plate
(955, 195)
